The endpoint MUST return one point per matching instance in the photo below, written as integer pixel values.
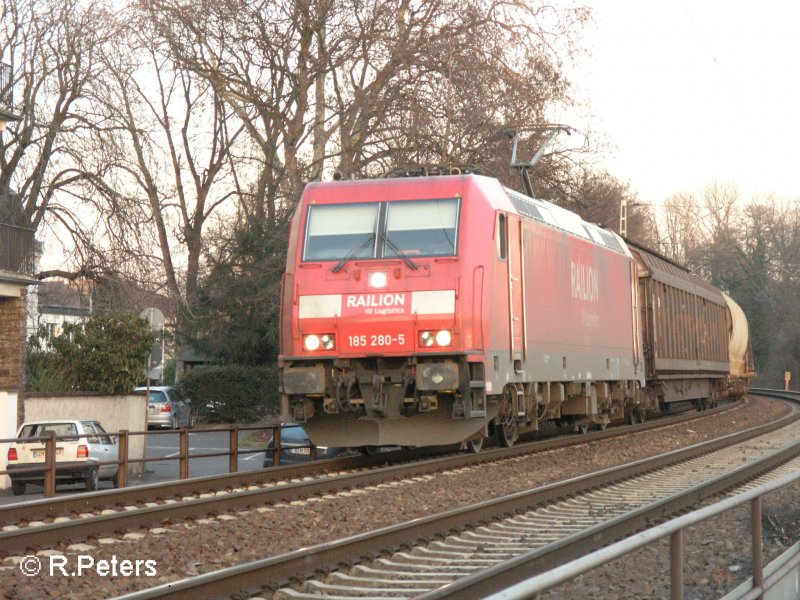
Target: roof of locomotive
(495, 194)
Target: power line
(699, 33)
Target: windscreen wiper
(405, 257)
(357, 247)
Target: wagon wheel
(506, 420)
(583, 428)
(602, 426)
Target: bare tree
(443, 82)
(52, 48)
(679, 235)
(162, 139)
(365, 86)
(720, 201)
(598, 196)
(261, 58)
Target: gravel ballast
(184, 549)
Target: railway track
(510, 537)
(43, 523)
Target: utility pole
(623, 217)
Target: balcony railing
(6, 87)
(17, 249)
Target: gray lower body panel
(566, 366)
(435, 428)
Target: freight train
(434, 310)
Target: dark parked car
(296, 447)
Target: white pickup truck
(80, 447)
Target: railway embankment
(207, 544)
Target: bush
(44, 374)
(232, 393)
(103, 354)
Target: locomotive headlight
(444, 337)
(378, 279)
(426, 338)
(315, 342)
(311, 342)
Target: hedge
(232, 393)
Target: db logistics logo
(30, 566)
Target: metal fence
(46, 472)
(6, 87)
(17, 249)
(762, 580)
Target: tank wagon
(436, 310)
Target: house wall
(12, 342)
(54, 322)
(8, 429)
(12, 364)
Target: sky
(690, 92)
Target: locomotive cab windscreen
(374, 230)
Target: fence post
(758, 564)
(122, 475)
(276, 448)
(50, 465)
(184, 453)
(676, 565)
(233, 456)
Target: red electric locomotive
(437, 310)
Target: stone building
(16, 274)
(17, 246)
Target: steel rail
(48, 508)
(501, 576)
(279, 570)
(77, 529)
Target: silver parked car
(77, 457)
(167, 408)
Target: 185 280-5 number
(376, 340)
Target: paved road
(167, 445)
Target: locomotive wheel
(637, 416)
(475, 444)
(506, 426)
(583, 428)
(506, 434)
(602, 426)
